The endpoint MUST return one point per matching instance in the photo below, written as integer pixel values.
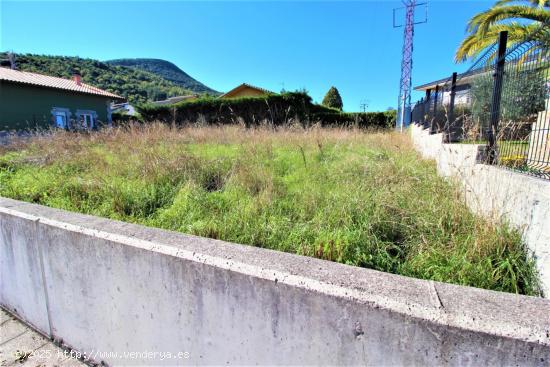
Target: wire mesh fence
(502, 101)
(431, 111)
(523, 129)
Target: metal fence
(502, 101)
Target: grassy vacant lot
(356, 197)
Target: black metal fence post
(497, 94)
(451, 128)
(426, 107)
(433, 126)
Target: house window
(61, 117)
(60, 120)
(86, 119)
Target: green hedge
(360, 119)
(120, 119)
(278, 109)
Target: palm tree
(521, 18)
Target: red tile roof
(47, 81)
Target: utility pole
(363, 105)
(11, 57)
(404, 101)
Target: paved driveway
(21, 345)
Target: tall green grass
(356, 197)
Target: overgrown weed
(358, 197)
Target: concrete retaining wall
(522, 200)
(120, 292)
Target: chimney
(76, 78)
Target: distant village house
(31, 101)
(124, 108)
(246, 90)
(243, 90)
(176, 99)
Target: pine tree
(333, 99)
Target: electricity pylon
(404, 101)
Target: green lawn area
(356, 197)
(513, 147)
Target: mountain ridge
(165, 69)
(137, 86)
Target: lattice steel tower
(404, 102)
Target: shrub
(119, 118)
(522, 97)
(361, 119)
(333, 99)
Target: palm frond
(474, 44)
(478, 19)
(483, 28)
(487, 19)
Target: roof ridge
(246, 85)
(254, 86)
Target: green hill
(138, 86)
(167, 70)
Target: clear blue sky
(309, 44)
